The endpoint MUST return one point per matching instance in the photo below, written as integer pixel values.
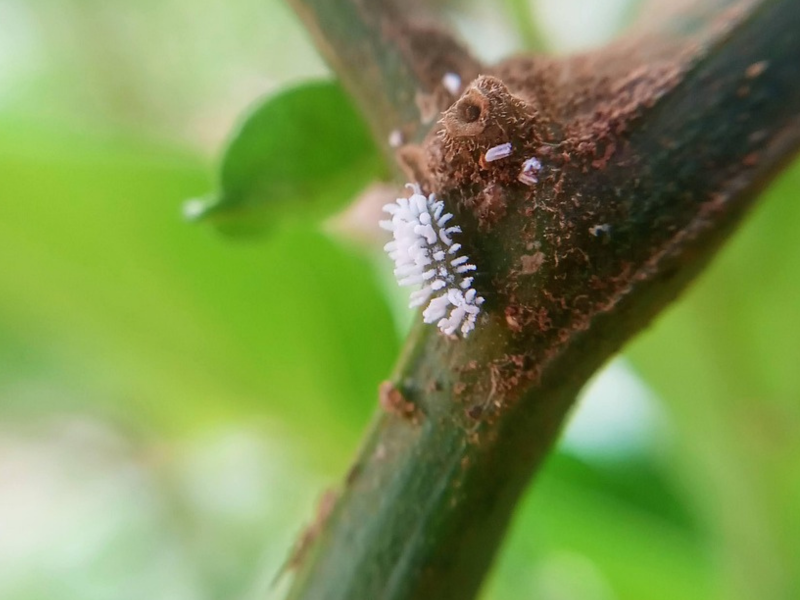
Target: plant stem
(521, 13)
(387, 62)
(427, 502)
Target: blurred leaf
(111, 304)
(624, 521)
(725, 361)
(302, 154)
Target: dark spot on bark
(353, 473)
(393, 402)
(474, 412)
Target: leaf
(111, 305)
(621, 527)
(302, 153)
(725, 361)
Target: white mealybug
(425, 255)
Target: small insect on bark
(497, 152)
(529, 174)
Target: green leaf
(621, 530)
(725, 361)
(111, 305)
(301, 154)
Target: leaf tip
(197, 209)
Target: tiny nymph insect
(497, 152)
(425, 255)
(529, 174)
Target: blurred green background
(173, 401)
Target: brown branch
(648, 163)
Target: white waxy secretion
(452, 83)
(529, 172)
(395, 138)
(498, 152)
(426, 256)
